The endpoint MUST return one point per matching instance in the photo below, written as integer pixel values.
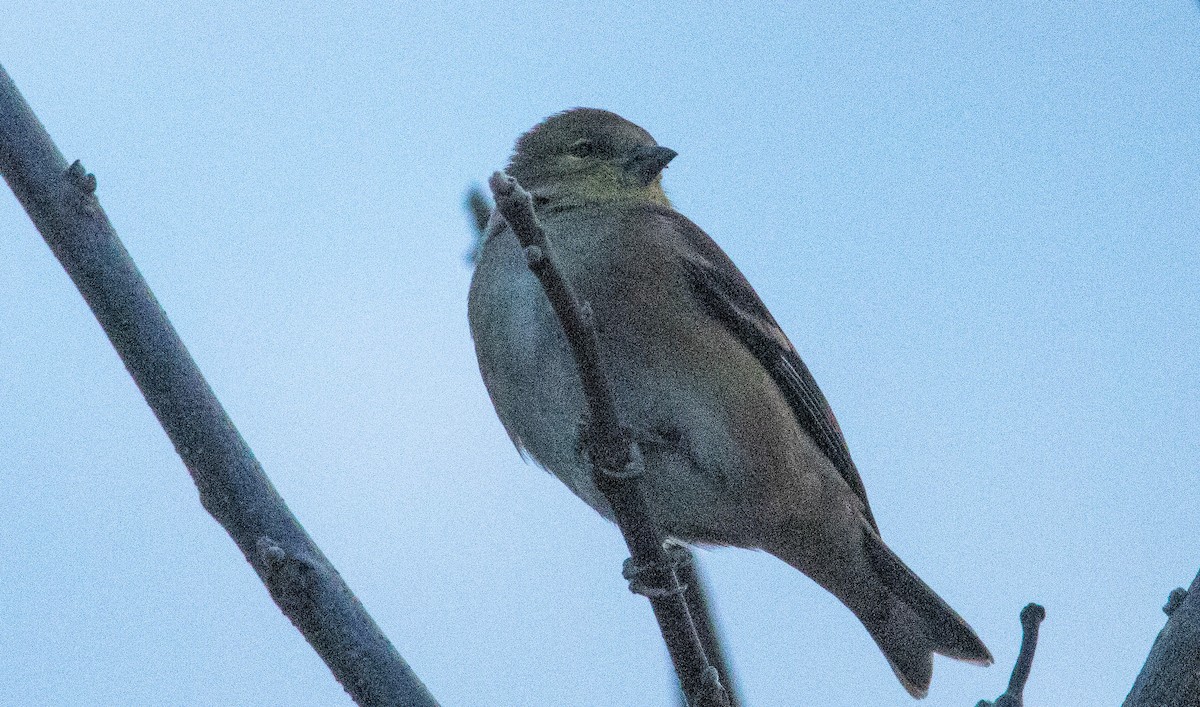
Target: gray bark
(1170, 676)
(233, 488)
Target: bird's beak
(646, 162)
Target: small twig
(1031, 618)
(615, 459)
(696, 594)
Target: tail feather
(948, 633)
(899, 633)
(915, 622)
(908, 620)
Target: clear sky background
(977, 221)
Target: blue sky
(978, 222)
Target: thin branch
(1031, 618)
(1170, 676)
(688, 571)
(233, 488)
(617, 464)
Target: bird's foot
(654, 580)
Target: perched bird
(740, 446)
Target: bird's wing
(727, 296)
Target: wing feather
(728, 297)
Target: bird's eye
(583, 148)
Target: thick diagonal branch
(233, 488)
(1170, 676)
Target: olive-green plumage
(740, 445)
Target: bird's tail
(908, 621)
(914, 622)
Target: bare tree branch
(617, 464)
(1031, 618)
(479, 208)
(1170, 676)
(696, 594)
(233, 488)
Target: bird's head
(586, 155)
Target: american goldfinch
(740, 445)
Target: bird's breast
(708, 416)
